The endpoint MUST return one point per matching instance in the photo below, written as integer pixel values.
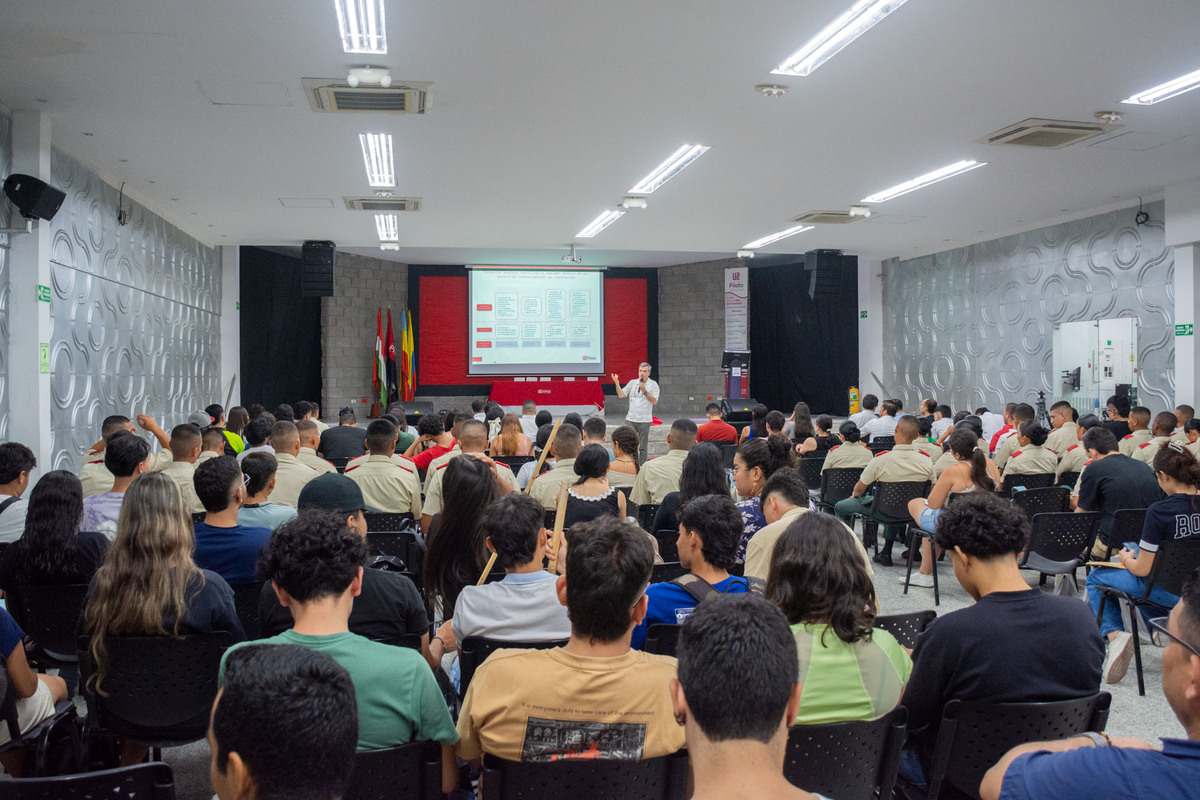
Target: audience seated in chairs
(523, 606)
(310, 440)
(52, 551)
(716, 430)
(1030, 456)
(703, 473)
(455, 552)
(565, 449)
(186, 443)
(659, 477)
(95, 475)
(595, 697)
(290, 474)
(36, 695)
(1163, 431)
(283, 726)
(737, 745)
(258, 435)
(257, 511)
(591, 496)
(472, 441)
(852, 453)
(1015, 644)
(1177, 516)
(1111, 481)
(388, 484)
(754, 462)
(126, 456)
(511, 440)
(223, 544)
(16, 462)
(710, 529)
(849, 671)
(884, 424)
(1097, 765)
(1073, 454)
(315, 564)
(1008, 441)
(345, 440)
(623, 470)
(212, 444)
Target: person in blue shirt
(710, 530)
(222, 545)
(1097, 765)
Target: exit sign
(1184, 329)
(862, 314)
(43, 293)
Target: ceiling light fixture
(377, 158)
(928, 179)
(775, 237)
(388, 227)
(389, 245)
(1165, 91)
(857, 20)
(675, 164)
(361, 25)
(633, 202)
(606, 218)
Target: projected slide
(530, 321)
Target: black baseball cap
(332, 492)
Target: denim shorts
(929, 518)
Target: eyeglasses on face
(1159, 634)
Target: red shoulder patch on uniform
(1127, 436)
(1015, 453)
(927, 453)
(882, 453)
(351, 469)
(1072, 447)
(410, 469)
(1089, 461)
(441, 466)
(1143, 444)
(835, 447)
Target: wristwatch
(1098, 739)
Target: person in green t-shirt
(315, 566)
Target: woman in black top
(826, 440)
(591, 496)
(1116, 416)
(703, 473)
(52, 551)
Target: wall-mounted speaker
(34, 198)
(316, 277)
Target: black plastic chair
(847, 760)
(60, 731)
(1068, 480)
(663, 778)
(661, 573)
(836, 485)
(339, 463)
(1126, 526)
(890, 509)
(1060, 541)
(474, 650)
(667, 544)
(915, 534)
(1176, 561)
(810, 468)
(906, 628)
(881, 444)
(410, 640)
(402, 545)
(1038, 480)
(410, 771)
(152, 781)
(50, 616)
(157, 689)
(645, 516)
(1046, 500)
(514, 462)
(973, 736)
(662, 639)
(384, 522)
(246, 597)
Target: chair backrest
(728, 451)
(810, 468)
(1038, 480)
(514, 462)
(403, 545)
(474, 650)
(411, 771)
(246, 597)
(1062, 536)
(906, 628)
(1127, 525)
(153, 781)
(1177, 559)
(892, 499)
(668, 544)
(49, 614)
(662, 639)
(973, 736)
(1068, 479)
(847, 759)
(879, 444)
(155, 688)
(668, 571)
(646, 514)
(383, 522)
(339, 463)
(837, 484)
(1047, 499)
(663, 778)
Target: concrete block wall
(361, 285)
(691, 335)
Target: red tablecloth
(579, 392)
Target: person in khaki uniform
(545, 488)
(1023, 414)
(1065, 430)
(1184, 414)
(902, 464)
(291, 476)
(186, 442)
(1163, 430)
(1032, 458)
(212, 445)
(1075, 455)
(386, 485)
(1139, 427)
(473, 440)
(95, 477)
(851, 453)
(443, 460)
(310, 440)
(658, 477)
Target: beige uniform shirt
(848, 455)
(433, 503)
(658, 478)
(620, 479)
(1130, 442)
(1146, 451)
(321, 426)
(1193, 448)
(438, 462)
(309, 458)
(762, 545)
(182, 472)
(902, 464)
(547, 486)
(1031, 460)
(396, 458)
(928, 448)
(206, 455)
(1179, 436)
(1073, 459)
(388, 486)
(1004, 451)
(96, 478)
(1079, 480)
(290, 478)
(1061, 438)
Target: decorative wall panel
(5, 221)
(135, 315)
(974, 326)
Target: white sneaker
(918, 579)
(1116, 661)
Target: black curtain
(281, 331)
(804, 332)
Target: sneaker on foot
(919, 579)
(1116, 661)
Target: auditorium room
(675, 400)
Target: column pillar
(1183, 235)
(870, 325)
(231, 323)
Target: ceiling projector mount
(572, 257)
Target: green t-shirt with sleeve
(397, 696)
(841, 682)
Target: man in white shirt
(529, 419)
(883, 425)
(869, 403)
(16, 462)
(643, 395)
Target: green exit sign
(862, 314)
(43, 293)
(1184, 329)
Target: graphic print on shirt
(1186, 525)
(548, 740)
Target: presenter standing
(643, 395)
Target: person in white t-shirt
(16, 462)
(884, 424)
(529, 424)
(643, 395)
(869, 403)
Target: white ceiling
(543, 112)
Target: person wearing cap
(389, 606)
(347, 440)
(387, 485)
(186, 444)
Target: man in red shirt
(432, 441)
(716, 429)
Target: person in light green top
(315, 565)
(848, 671)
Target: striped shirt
(842, 682)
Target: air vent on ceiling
(335, 96)
(1051, 133)
(827, 218)
(383, 203)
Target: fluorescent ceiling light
(360, 23)
(389, 245)
(388, 226)
(928, 179)
(1165, 91)
(377, 158)
(775, 237)
(601, 222)
(857, 20)
(678, 161)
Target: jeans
(845, 510)
(1126, 582)
(643, 432)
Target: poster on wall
(737, 310)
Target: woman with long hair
(455, 552)
(754, 462)
(757, 429)
(624, 466)
(52, 551)
(852, 670)
(512, 440)
(703, 473)
(800, 429)
(972, 471)
(591, 496)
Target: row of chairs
(512, 462)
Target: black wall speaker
(34, 198)
(316, 277)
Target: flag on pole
(403, 363)
(389, 355)
(406, 347)
(380, 367)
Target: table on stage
(581, 394)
